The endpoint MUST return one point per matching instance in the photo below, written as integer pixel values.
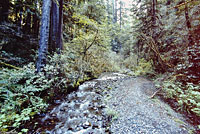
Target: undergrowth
(24, 93)
(185, 95)
(140, 68)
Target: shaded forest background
(49, 47)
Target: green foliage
(92, 64)
(171, 89)
(191, 98)
(144, 67)
(23, 93)
(19, 94)
(187, 96)
(90, 48)
(112, 113)
(85, 21)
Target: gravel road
(136, 113)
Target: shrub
(23, 93)
(144, 67)
(187, 96)
(130, 62)
(20, 99)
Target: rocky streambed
(83, 111)
(113, 103)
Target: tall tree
(19, 12)
(44, 34)
(60, 28)
(51, 24)
(115, 14)
(120, 14)
(4, 10)
(27, 27)
(113, 10)
(36, 20)
(56, 25)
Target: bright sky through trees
(127, 3)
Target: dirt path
(137, 113)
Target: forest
(48, 48)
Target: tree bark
(56, 26)
(188, 24)
(4, 10)
(28, 19)
(120, 16)
(36, 20)
(115, 11)
(44, 35)
(154, 25)
(27, 27)
(108, 11)
(154, 12)
(19, 10)
(60, 29)
(36, 23)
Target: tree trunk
(4, 8)
(59, 42)
(56, 26)
(115, 11)
(36, 20)
(108, 11)
(27, 27)
(18, 13)
(154, 12)
(44, 35)
(154, 25)
(35, 26)
(168, 2)
(188, 24)
(120, 16)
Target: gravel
(138, 114)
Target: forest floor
(114, 103)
